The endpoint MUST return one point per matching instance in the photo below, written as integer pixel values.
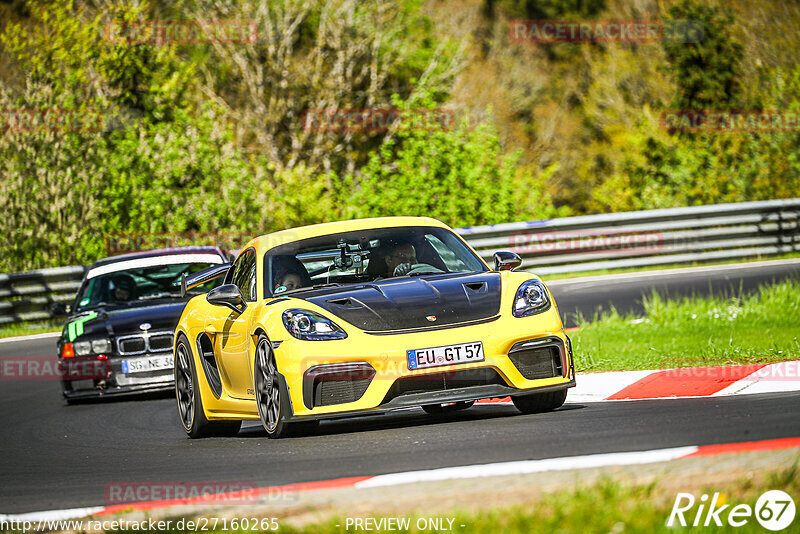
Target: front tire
(541, 402)
(270, 396)
(190, 401)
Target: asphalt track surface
(56, 457)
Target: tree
(708, 70)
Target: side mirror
(227, 295)
(506, 261)
(59, 308)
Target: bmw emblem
(431, 318)
(145, 326)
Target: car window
(448, 256)
(244, 275)
(137, 284)
(364, 256)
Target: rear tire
(439, 409)
(542, 402)
(190, 402)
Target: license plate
(142, 365)
(445, 355)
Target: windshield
(140, 284)
(366, 256)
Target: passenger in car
(287, 282)
(289, 274)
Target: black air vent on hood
(405, 303)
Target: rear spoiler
(201, 277)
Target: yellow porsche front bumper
(369, 372)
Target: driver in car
(401, 259)
(124, 287)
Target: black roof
(161, 252)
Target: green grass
(725, 330)
(25, 329)
(599, 272)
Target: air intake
(538, 359)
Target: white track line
(528, 466)
(53, 515)
(774, 378)
(29, 337)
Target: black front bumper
(471, 393)
(87, 378)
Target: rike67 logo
(774, 510)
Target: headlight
(101, 346)
(531, 299)
(92, 346)
(310, 326)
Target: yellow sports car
(360, 317)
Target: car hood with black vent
(413, 303)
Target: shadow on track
(406, 418)
(126, 397)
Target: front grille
(145, 342)
(161, 342)
(132, 345)
(537, 362)
(325, 385)
(444, 381)
(334, 391)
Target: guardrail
(29, 296)
(566, 245)
(645, 238)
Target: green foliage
(209, 137)
(150, 161)
(708, 71)
(458, 175)
(654, 169)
